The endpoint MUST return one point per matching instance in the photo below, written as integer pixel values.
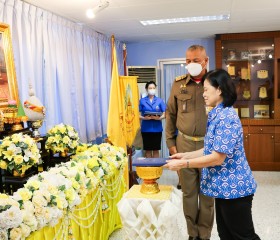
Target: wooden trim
(265, 166)
(277, 138)
(245, 122)
(250, 35)
(261, 129)
(219, 54)
(257, 122)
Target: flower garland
(50, 195)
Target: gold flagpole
(112, 49)
(124, 59)
(129, 149)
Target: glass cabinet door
(251, 65)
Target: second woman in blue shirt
(152, 111)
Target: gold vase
(17, 124)
(149, 176)
(35, 126)
(18, 174)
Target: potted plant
(18, 153)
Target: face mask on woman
(194, 69)
(152, 92)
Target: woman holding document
(152, 111)
(226, 175)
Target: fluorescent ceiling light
(187, 19)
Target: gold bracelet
(188, 164)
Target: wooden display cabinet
(253, 61)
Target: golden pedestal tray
(149, 176)
(149, 169)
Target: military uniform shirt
(234, 178)
(185, 110)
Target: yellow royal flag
(115, 124)
(131, 107)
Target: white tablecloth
(149, 217)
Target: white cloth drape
(68, 65)
(153, 219)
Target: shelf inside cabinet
(253, 61)
(251, 66)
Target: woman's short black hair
(149, 83)
(220, 78)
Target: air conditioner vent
(145, 74)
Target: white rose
(25, 230)
(15, 234)
(39, 201)
(10, 218)
(28, 207)
(3, 234)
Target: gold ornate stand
(149, 176)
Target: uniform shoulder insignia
(180, 77)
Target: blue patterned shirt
(234, 178)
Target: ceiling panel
(122, 17)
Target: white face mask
(194, 69)
(152, 92)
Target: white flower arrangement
(62, 137)
(29, 219)
(18, 152)
(103, 159)
(114, 154)
(46, 196)
(10, 214)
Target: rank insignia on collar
(183, 88)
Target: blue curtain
(68, 65)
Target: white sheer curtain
(170, 72)
(68, 65)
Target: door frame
(160, 65)
(160, 74)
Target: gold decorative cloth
(164, 194)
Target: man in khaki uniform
(186, 114)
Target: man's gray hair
(196, 47)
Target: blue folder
(153, 113)
(149, 162)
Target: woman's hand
(175, 165)
(188, 155)
(155, 117)
(147, 117)
(177, 156)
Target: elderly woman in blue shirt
(152, 109)
(226, 175)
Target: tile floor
(266, 205)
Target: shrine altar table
(157, 216)
(88, 221)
